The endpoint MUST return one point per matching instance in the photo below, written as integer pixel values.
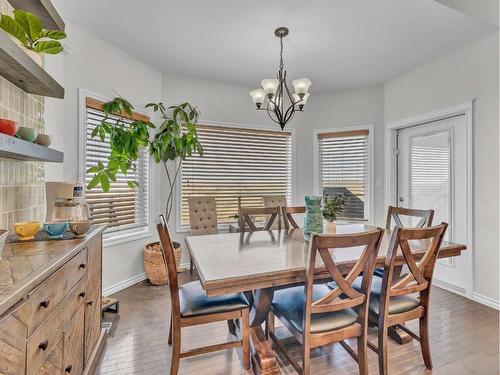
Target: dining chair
(191, 307)
(272, 213)
(287, 214)
(393, 301)
(316, 315)
(274, 201)
(395, 213)
(202, 218)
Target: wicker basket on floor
(154, 264)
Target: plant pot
(154, 264)
(330, 227)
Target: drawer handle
(90, 303)
(82, 294)
(68, 369)
(82, 266)
(45, 303)
(43, 345)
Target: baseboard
(449, 287)
(112, 289)
(487, 301)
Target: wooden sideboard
(50, 306)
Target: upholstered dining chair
(287, 214)
(202, 217)
(316, 315)
(271, 213)
(393, 301)
(191, 306)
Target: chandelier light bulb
(270, 86)
(258, 97)
(301, 85)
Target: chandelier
(274, 92)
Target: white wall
(96, 66)
(470, 73)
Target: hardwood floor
(464, 340)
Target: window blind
(237, 162)
(343, 169)
(121, 208)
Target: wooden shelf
(20, 69)
(43, 9)
(15, 148)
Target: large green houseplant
(171, 141)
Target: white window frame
(123, 236)
(369, 200)
(178, 185)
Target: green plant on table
(28, 29)
(332, 206)
(172, 140)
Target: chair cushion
(194, 302)
(397, 304)
(288, 304)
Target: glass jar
(313, 219)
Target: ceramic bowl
(80, 227)
(3, 237)
(8, 127)
(56, 229)
(27, 229)
(43, 140)
(28, 134)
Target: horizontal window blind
(121, 208)
(343, 169)
(237, 162)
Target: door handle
(401, 199)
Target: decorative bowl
(28, 134)
(56, 229)
(43, 140)
(26, 230)
(80, 227)
(8, 127)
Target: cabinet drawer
(45, 298)
(42, 341)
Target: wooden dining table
(258, 263)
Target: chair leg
(269, 324)
(245, 339)
(176, 349)
(170, 333)
(306, 358)
(382, 350)
(363, 354)
(191, 265)
(424, 342)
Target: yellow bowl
(27, 229)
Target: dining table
(258, 263)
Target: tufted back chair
(202, 215)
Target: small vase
(313, 220)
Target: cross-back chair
(395, 213)
(316, 315)
(202, 218)
(271, 213)
(393, 300)
(190, 307)
(287, 214)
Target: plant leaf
(52, 34)
(132, 184)
(104, 182)
(51, 47)
(93, 183)
(29, 22)
(9, 25)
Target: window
(237, 162)
(343, 168)
(123, 210)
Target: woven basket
(154, 265)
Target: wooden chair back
(287, 214)
(202, 215)
(274, 201)
(167, 249)
(395, 213)
(419, 277)
(272, 212)
(351, 298)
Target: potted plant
(169, 143)
(332, 206)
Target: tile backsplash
(22, 183)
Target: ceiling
(338, 44)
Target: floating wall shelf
(20, 69)
(43, 9)
(15, 148)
